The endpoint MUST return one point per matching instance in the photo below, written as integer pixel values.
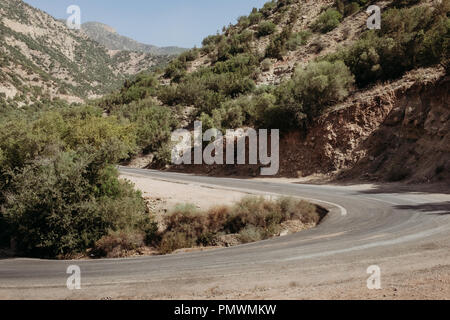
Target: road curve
(366, 226)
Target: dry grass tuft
(252, 219)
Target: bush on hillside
(297, 39)
(278, 44)
(321, 84)
(255, 17)
(352, 8)
(243, 22)
(309, 93)
(60, 206)
(252, 218)
(409, 38)
(208, 87)
(212, 40)
(266, 64)
(268, 7)
(349, 7)
(327, 21)
(266, 28)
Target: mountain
(108, 37)
(41, 59)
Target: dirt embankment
(413, 142)
(393, 132)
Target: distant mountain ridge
(108, 37)
(41, 59)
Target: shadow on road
(443, 188)
(439, 208)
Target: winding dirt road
(406, 234)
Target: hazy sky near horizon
(181, 23)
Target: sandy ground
(167, 195)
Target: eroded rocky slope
(41, 59)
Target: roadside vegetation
(409, 38)
(249, 220)
(224, 94)
(59, 187)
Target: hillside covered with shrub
(289, 63)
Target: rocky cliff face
(413, 142)
(398, 131)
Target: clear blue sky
(181, 23)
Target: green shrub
(298, 39)
(172, 241)
(245, 36)
(252, 218)
(169, 95)
(230, 115)
(177, 67)
(349, 7)
(309, 93)
(63, 205)
(255, 17)
(409, 38)
(244, 64)
(175, 70)
(243, 22)
(278, 44)
(212, 40)
(188, 56)
(276, 49)
(266, 28)
(144, 86)
(327, 21)
(59, 190)
(154, 126)
(365, 58)
(269, 114)
(118, 244)
(99, 132)
(268, 7)
(208, 90)
(266, 64)
(352, 8)
(321, 84)
(251, 234)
